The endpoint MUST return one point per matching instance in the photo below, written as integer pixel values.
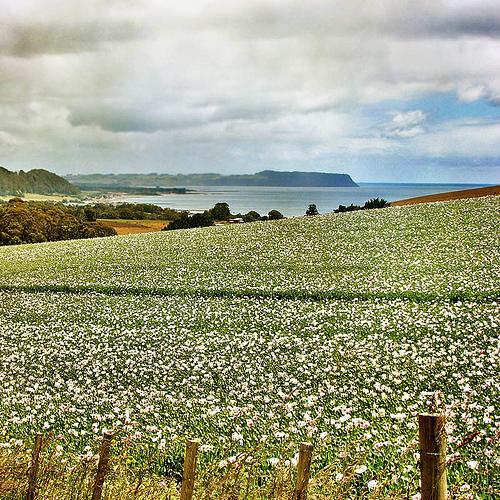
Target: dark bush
(201, 220)
(376, 203)
(350, 208)
(220, 212)
(186, 222)
(370, 204)
(180, 223)
(251, 216)
(275, 215)
(312, 210)
(90, 214)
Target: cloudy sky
(385, 90)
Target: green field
(336, 329)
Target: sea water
(290, 201)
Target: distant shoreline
(450, 195)
(265, 178)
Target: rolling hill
(37, 181)
(335, 329)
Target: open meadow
(336, 329)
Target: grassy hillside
(37, 181)
(437, 250)
(337, 329)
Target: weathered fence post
(33, 470)
(305, 457)
(432, 439)
(102, 466)
(189, 472)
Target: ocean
(290, 201)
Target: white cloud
(462, 138)
(408, 118)
(8, 141)
(405, 124)
(471, 93)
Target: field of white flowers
(336, 329)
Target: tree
(372, 203)
(251, 216)
(312, 210)
(180, 223)
(185, 222)
(90, 214)
(220, 211)
(35, 222)
(376, 203)
(350, 208)
(275, 215)
(201, 220)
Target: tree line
(369, 205)
(130, 211)
(36, 222)
(220, 212)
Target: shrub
(350, 208)
(275, 215)
(312, 210)
(186, 222)
(220, 212)
(251, 216)
(370, 204)
(376, 203)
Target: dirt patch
(134, 226)
(452, 195)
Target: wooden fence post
(305, 457)
(33, 470)
(432, 444)
(102, 467)
(189, 472)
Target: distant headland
(38, 181)
(264, 178)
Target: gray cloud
(145, 120)
(412, 18)
(149, 117)
(26, 40)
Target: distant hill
(37, 181)
(451, 195)
(264, 178)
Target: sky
(384, 90)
